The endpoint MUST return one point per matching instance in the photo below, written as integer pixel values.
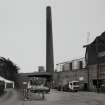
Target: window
(76, 83)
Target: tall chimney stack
(49, 42)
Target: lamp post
(87, 60)
(88, 75)
(87, 66)
(97, 62)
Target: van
(71, 86)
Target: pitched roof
(101, 37)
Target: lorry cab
(74, 85)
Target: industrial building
(95, 57)
(69, 71)
(90, 70)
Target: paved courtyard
(13, 97)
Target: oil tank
(75, 64)
(68, 66)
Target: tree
(8, 69)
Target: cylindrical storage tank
(59, 67)
(67, 67)
(75, 64)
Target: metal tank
(68, 66)
(75, 64)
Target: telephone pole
(88, 76)
(98, 65)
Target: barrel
(75, 64)
(67, 66)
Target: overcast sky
(23, 29)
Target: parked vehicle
(34, 86)
(2, 87)
(38, 85)
(71, 86)
(59, 88)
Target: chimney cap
(49, 7)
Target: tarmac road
(12, 97)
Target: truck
(34, 86)
(38, 84)
(72, 86)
